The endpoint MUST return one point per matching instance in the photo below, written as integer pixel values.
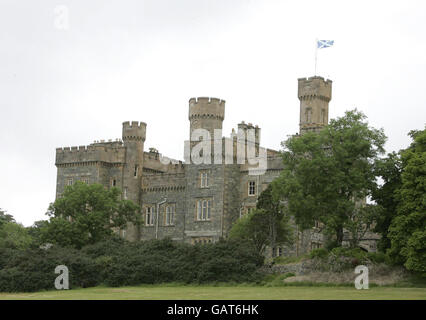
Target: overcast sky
(142, 60)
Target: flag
(324, 43)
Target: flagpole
(316, 55)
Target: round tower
(314, 94)
(134, 134)
(134, 131)
(206, 113)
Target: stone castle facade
(183, 200)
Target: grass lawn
(225, 293)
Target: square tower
(314, 94)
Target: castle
(187, 201)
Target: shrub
(159, 261)
(34, 269)
(378, 257)
(290, 259)
(355, 253)
(321, 253)
(331, 244)
(115, 262)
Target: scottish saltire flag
(324, 43)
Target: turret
(314, 94)
(134, 134)
(206, 113)
(134, 131)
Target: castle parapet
(166, 181)
(134, 130)
(94, 152)
(314, 87)
(204, 107)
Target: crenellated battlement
(206, 100)
(187, 200)
(111, 152)
(163, 182)
(314, 94)
(204, 107)
(314, 87)
(134, 130)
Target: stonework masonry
(199, 202)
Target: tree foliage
(251, 227)
(407, 231)
(327, 174)
(86, 214)
(4, 217)
(389, 170)
(115, 262)
(14, 235)
(267, 225)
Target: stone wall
(212, 228)
(156, 188)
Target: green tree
(4, 217)
(35, 231)
(407, 231)
(86, 214)
(14, 235)
(267, 225)
(328, 174)
(252, 228)
(389, 170)
(279, 228)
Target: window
(86, 180)
(323, 118)
(203, 209)
(204, 179)
(149, 216)
(170, 215)
(135, 174)
(121, 233)
(246, 210)
(69, 182)
(125, 193)
(315, 245)
(252, 188)
(308, 115)
(113, 182)
(202, 240)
